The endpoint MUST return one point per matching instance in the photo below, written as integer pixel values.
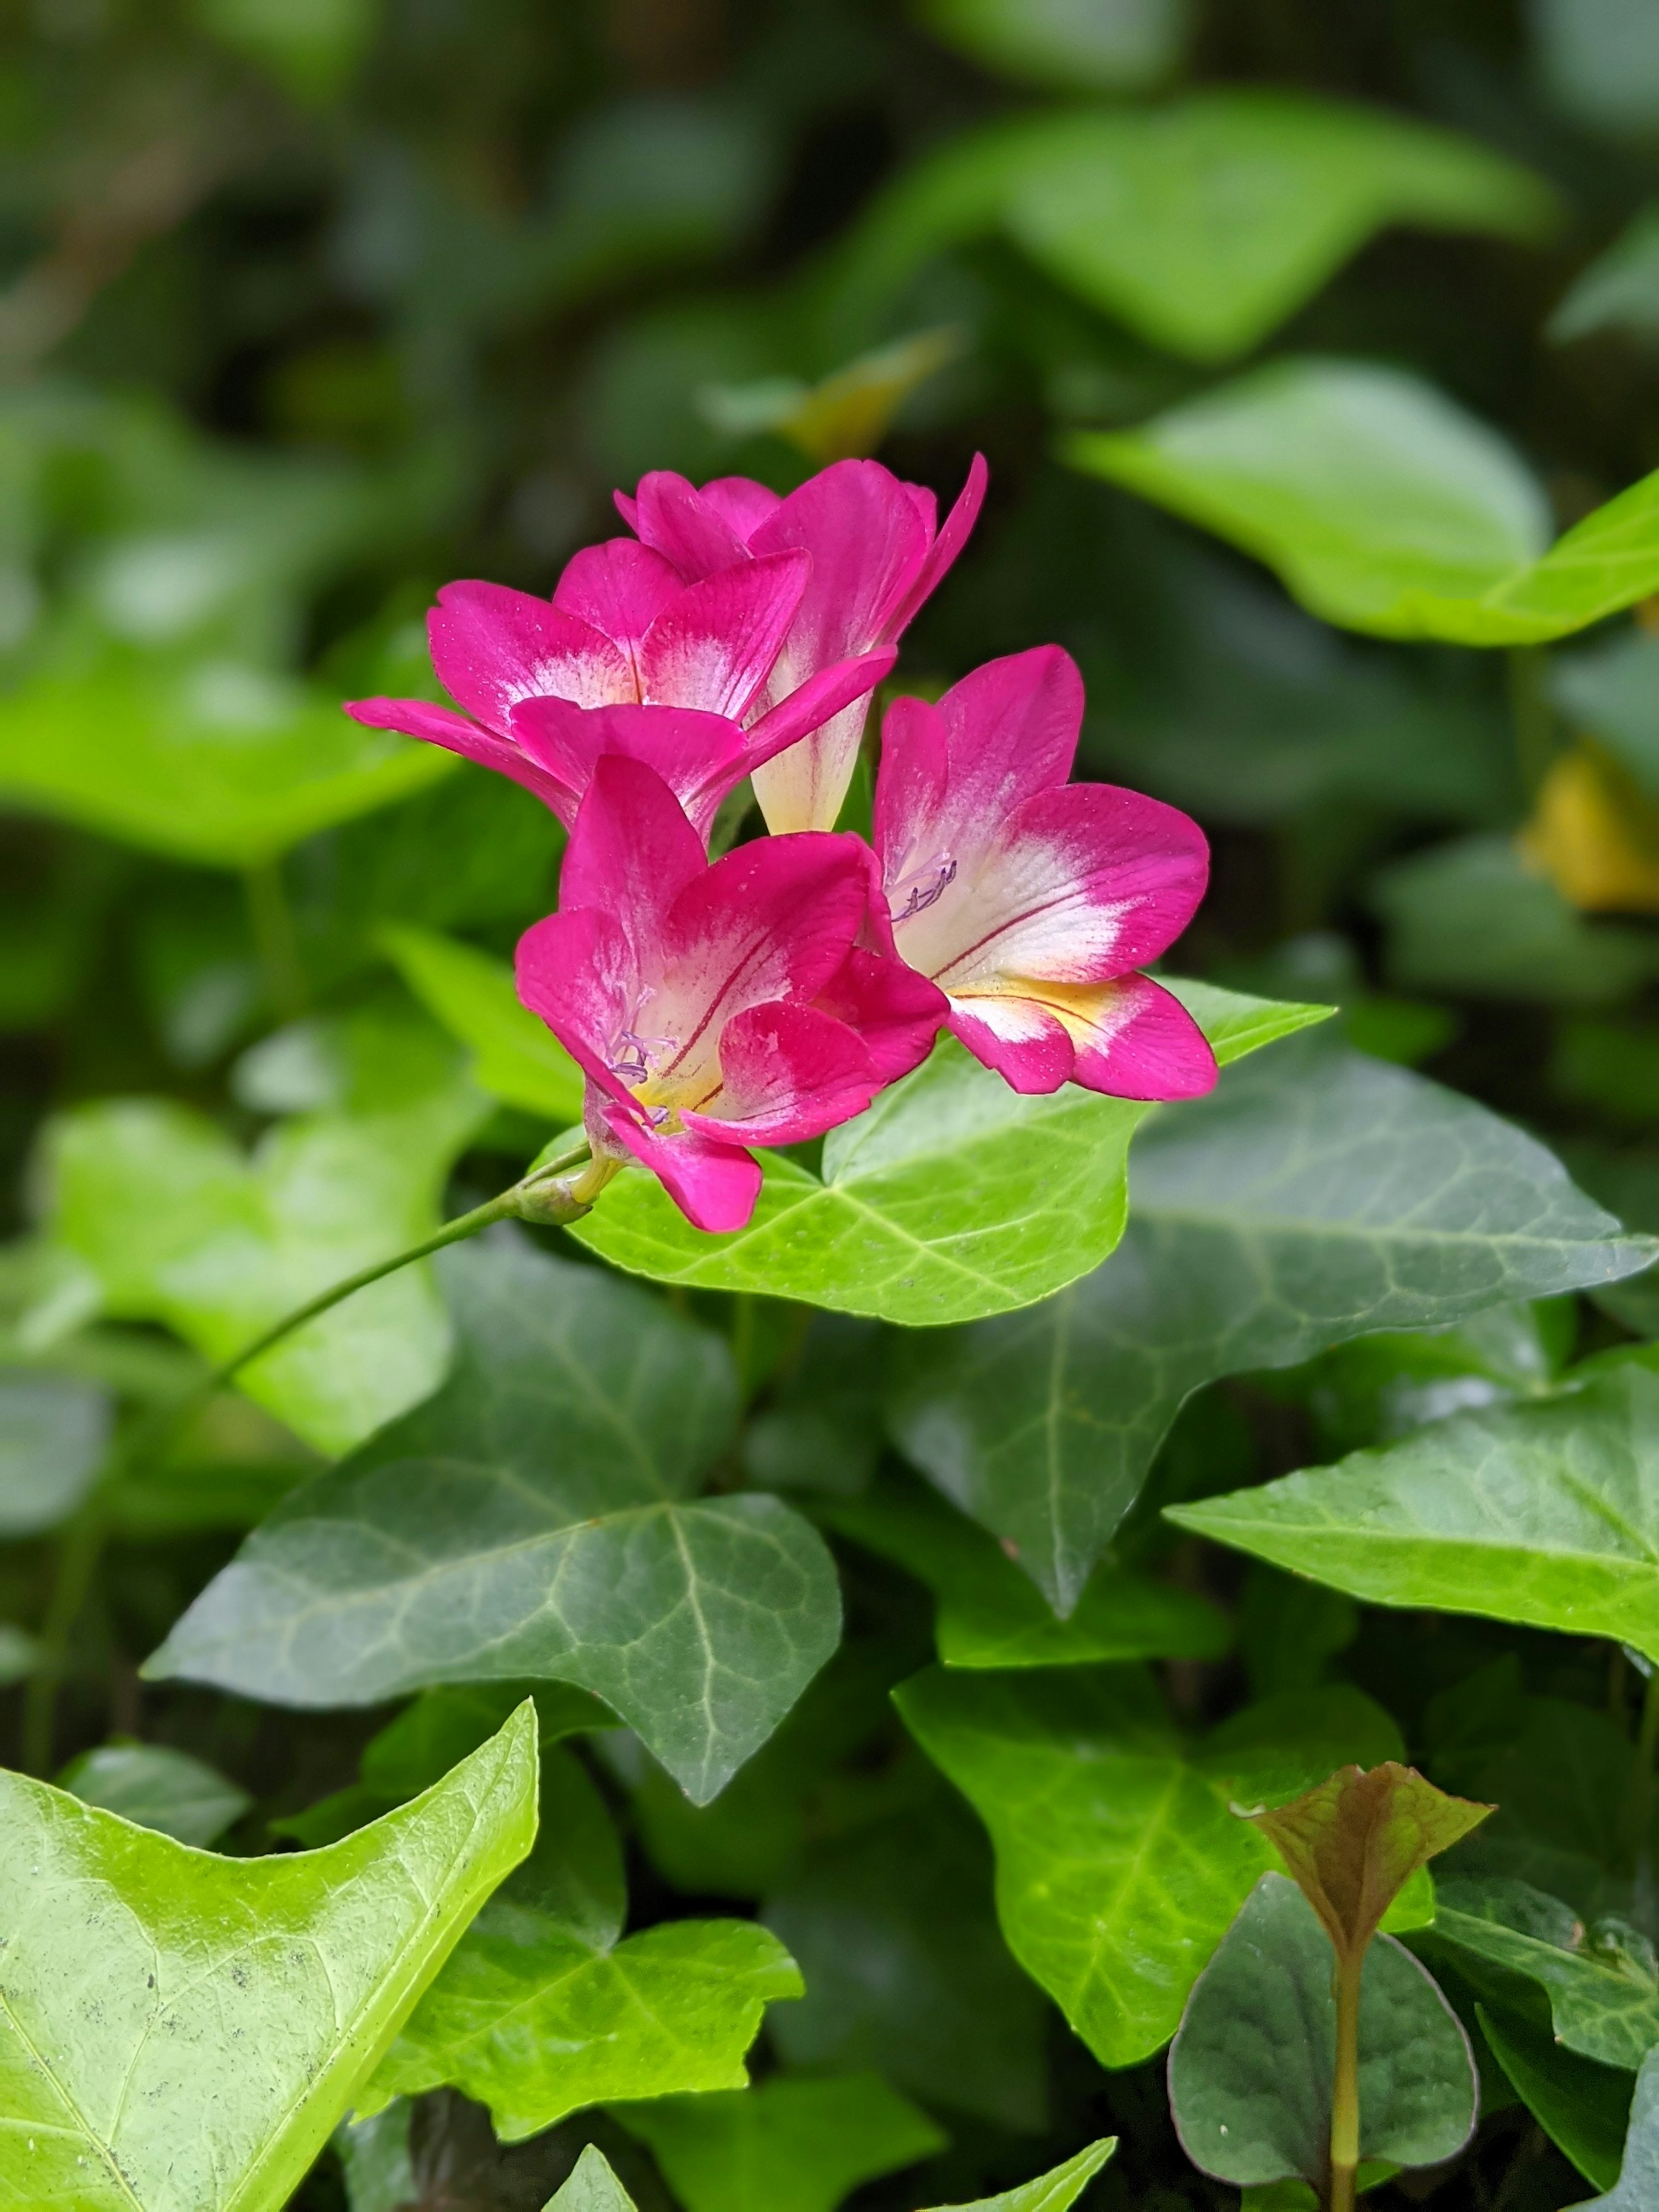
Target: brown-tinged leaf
(1352, 1843)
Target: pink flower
(668, 671)
(1031, 901)
(876, 553)
(712, 1007)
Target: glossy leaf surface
(952, 1197)
(1545, 1513)
(180, 2032)
(1318, 1195)
(784, 2146)
(1251, 2069)
(537, 1517)
(1385, 507)
(543, 2008)
(1120, 1864)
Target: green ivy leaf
(453, 1546)
(543, 2008)
(1054, 2192)
(1113, 45)
(1120, 1864)
(157, 1787)
(178, 2031)
(54, 1431)
(1383, 505)
(1251, 2066)
(178, 1226)
(1638, 2174)
(783, 2146)
(1200, 224)
(516, 1058)
(1583, 2108)
(592, 2187)
(952, 1197)
(1317, 1195)
(220, 762)
(992, 1615)
(1546, 1513)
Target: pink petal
(699, 757)
(788, 1072)
(1147, 863)
(677, 520)
(631, 854)
(907, 828)
(1025, 1042)
(803, 751)
(773, 919)
(491, 646)
(867, 542)
(1139, 1042)
(442, 725)
(742, 504)
(619, 589)
(576, 971)
(1012, 726)
(714, 1185)
(714, 645)
(944, 549)
(895, 1012)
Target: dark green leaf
(157, 1788)
(54, 1430)
(1114, 45)
(1583, 2108)
(1638, 2174)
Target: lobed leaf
(1583, 2108)
(515, 1057)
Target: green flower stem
(78, 1553)
(1345, 2083)
(1639, 1803)
(275, 940)
(1532, 718)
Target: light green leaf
(1470, 916)
(1599, 62)
(1106, 46)
(592, 2187)
(542, 2009)
(179, 2033)
(906, 1970)
(1583, 2108)
(1638, 2174)
(454, 1546)
(952, 1197)
(1619, 291)
(1546, 1514)
(783, 2146)
(157, 1788)
(1252, 2065)
(1054, 2192)
(311, 50)
(1601, 1982)
(515, 1057)
(20, 1654)
(221, 762)
(1318, 1195)
(178, 1226)
(992, 1615)
(1201, 224)
(54, 1431)
(1383, 506)
(1120, 1864)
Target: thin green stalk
(275, 939)
(1344, 2084)
(1532, 718)
(78, 1553)
(1639, 1802)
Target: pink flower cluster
(764, 997)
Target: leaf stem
(275, 939)
(1639, 1802)
(1345, 2082)
(78, 1554)
(1532, 720)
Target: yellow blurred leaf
(1596, 833)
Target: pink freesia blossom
(668, 670)
(712, 1007)
(1031, 901)
(876, 553)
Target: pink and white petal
(895, 1012)
(911, 783)
(773, 919)
(457, 733)
(1145, 862)
(714, 645)
(619, 587)
(804, 751)
(631, 855)
(715, 1184)
(1013, 726)
(787, 1073)
(492, 647)
(677, 520)
(1026, 1044)
(944, 548)
(576, 971)
(699, 757)
(1133, 1039)
(868, 541)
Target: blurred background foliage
(306, 305)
